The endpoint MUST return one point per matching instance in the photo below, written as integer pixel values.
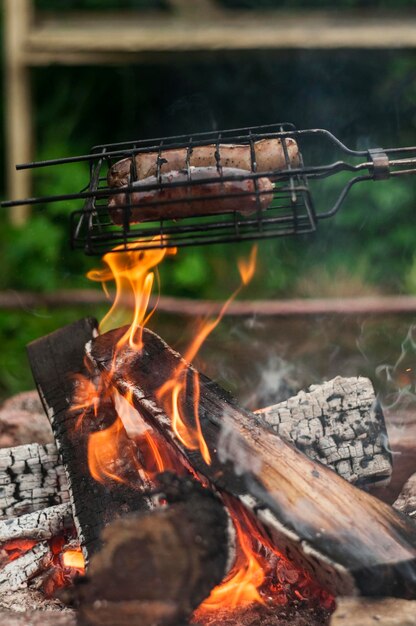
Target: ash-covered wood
(406, 502)
(374, 611)
(22, 421)
(348, 540)
(157, 567)
(31, 478)
(39, 525)
(17, 573)
(340, 424)
(55, 360)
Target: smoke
(398, 381)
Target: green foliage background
(367, 98)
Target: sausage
(269, 154)
(191, 200)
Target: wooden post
(18, 118)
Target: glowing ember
(74, 559)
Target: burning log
(406, 502)
(348, 540)
(57, 362)
(157, 567)
(17, 573)
(338, 423)
(30, 479)
(370, 611)
(39, 525)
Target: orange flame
(241, 587)
(104, 452)
(74, 559)
(190, 435)
(131, 272)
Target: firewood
(401, 428)
(157, 567)
(348, 540)
(55, 360)
(371, 611)
(340, 424)
(406, 502)
(17, 573)
(30, 479)
(39, 525)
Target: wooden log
(340, 424)
(349, 541)
(39, 525)
(371, 611)
(17, 573)
(406, 502)
(31, 479)
(55, 360)
(157, 567)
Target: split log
(371, 611)
(406, 502)
(340, 424)
(39, 525)
(55, 360)
(17, 573)
(157, 567)
(349, 541)
(31, 479)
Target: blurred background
(62, 96)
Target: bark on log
(55, 360)
(348, 540)
(39, 525)
(340, 424)
(406, 502)
(157, 567)
(30, 479)
(370, 611)
(17, 573)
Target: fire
(242, 586)
(74, 559)
(190, 435)
(132, 273)
(104, 452)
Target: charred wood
(39, 525)
(348, 540)
(340, 424)
(371, 611)
(17, 573)
(31, 479)
(56, 361)
(406, 502)
(157, 567)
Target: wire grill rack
(290, 207)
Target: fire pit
(160, 500)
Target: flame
(74, 559)
(105, 451)
(171, 392)
(131, 272)
(241, 587)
